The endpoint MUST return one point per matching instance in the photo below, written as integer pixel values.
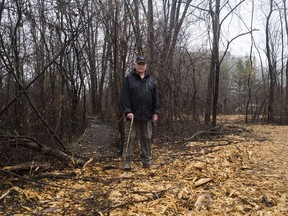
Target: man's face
(140, 67)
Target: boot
(126, 166)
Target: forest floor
(239, 169)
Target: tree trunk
(271, 68)
(286, 72)
(213, 81)
(150, 40)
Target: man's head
(140, 60)
(140, 64)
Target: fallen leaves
(228, 179)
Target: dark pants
(142, 129)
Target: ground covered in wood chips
(239, 169)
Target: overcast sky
(236, 25)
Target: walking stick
(126, 165)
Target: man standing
(140, 103)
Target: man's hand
(154, 118)
(130, 116)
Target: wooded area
(62, 64)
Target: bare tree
(32, 67)
(216, 59)
(286, 72)
(174, 14)
(151, 38)
(271, 66)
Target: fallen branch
(215, 145)
(55, 176)
(32, 144)
(12, 174)
(28, 166)
(217, 130)
(7, 192)
(191, 154)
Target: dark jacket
(139, 96)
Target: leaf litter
(233, 174)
